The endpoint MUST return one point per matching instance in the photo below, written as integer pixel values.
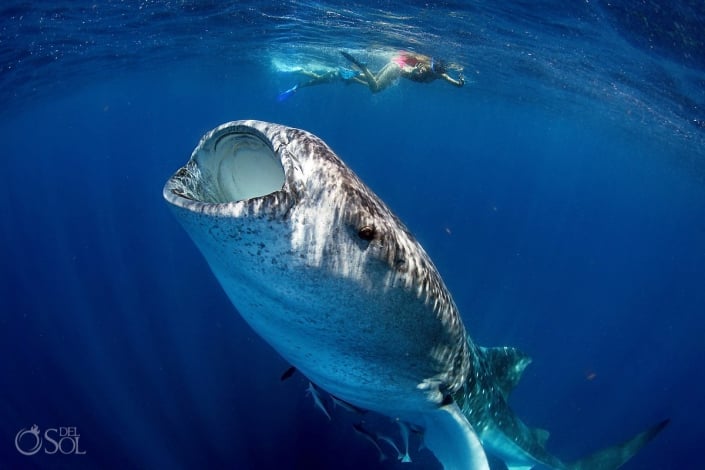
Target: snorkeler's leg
(285, 95)
(387, 75)
(309, 74)
(369, 78)
(359, 80)
(316, 79)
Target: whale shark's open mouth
(242, 166)
(230, 164)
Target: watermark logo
(63, 440)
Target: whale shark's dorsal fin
(506, 365)
(452, 439)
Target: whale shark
(325, 273)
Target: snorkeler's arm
(459, 82)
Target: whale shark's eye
(367, 232)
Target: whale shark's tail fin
(614, 457)
(528, 445)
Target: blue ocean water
(560, 192)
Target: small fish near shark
(324, 272)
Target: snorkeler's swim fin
(369, 77)
(347, 74)
(284, 95)
(354, 61)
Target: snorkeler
(338, 75)
(415, 67)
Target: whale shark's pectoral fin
(453, 441)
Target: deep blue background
(572, 227)
(575, 242)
